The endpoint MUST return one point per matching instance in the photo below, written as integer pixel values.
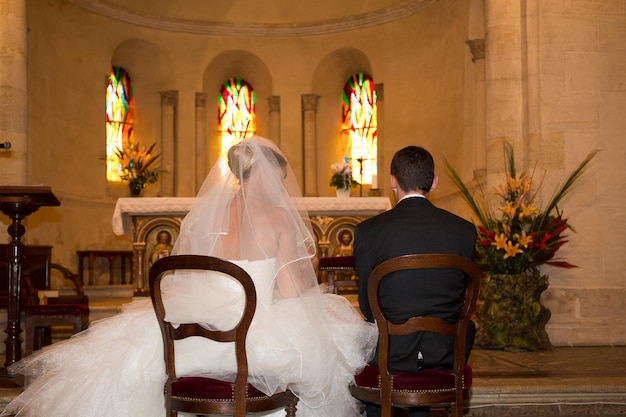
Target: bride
(312, 343)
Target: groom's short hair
(414, 169)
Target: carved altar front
(154, 224)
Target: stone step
(107, 300)
(104, 291)
(100, 308)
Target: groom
(414, 225)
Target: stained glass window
(236, 113)
(120, 108)
(359, 127)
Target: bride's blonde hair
(241, 159)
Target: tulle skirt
(116, 367)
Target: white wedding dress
(116, 367)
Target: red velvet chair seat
(425, 380)
(337, 262)
(57, 310)
(210, 389)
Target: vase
(342, 192)
(509, 312)
(136, 188)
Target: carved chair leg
(457, 410)
(291, 409)
(44, 336)
(29, 337)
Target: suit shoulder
(374, 220)
(456, 218)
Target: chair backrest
(423, 324)
(29, 290)
(65, 272)
(171, 332)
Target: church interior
(460, 78)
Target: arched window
(236, 113)
(359, 130)
(120, 109)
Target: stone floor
(581, 381)
(563, 382)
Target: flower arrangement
(136, 162)
(342, 176)
(523, 236)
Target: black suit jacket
(415, 225)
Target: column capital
(477, 47)
(274, 103)
(309, 102)
(169, 97)
(201, 100)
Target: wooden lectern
(18, 202)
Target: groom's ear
(394, 182)
(394, 187)
(435, 182)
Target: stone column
(169, 103)
(309, 116)
(201, 139)
(504, 83)
(477, 48)
(274, 103)
(13, 92)
(535, 150)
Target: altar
(153, 223)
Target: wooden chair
(72, 310)
(202, 395)
(329, 266)
(429, 387)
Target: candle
(374, 181)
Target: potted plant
(513, 241)
(342, 178)
(136, 166)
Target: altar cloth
(126, 208)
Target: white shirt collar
(412, 195)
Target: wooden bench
(125, 258)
